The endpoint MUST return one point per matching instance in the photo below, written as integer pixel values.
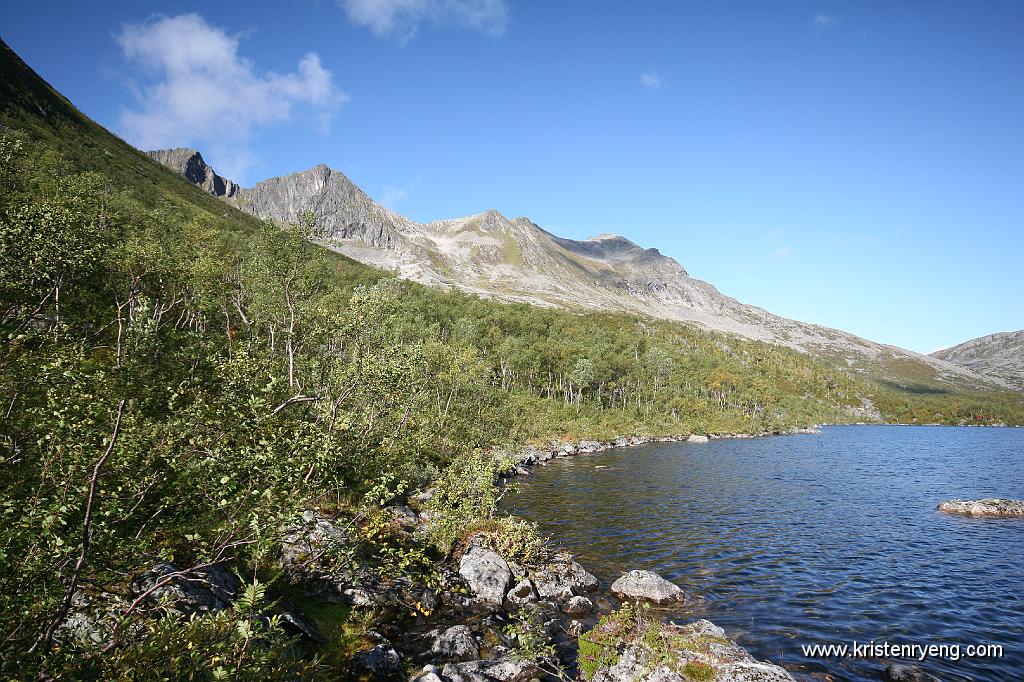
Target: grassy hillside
(179, 382)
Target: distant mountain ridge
(516, 260)
(995, 355)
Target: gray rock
(700, 643)
(989, 507)
(646, 585)
(90, 620)
(897, 672)
(486, 573)
(296, 624)
(574, 628)
(563, 578)
(404, 516)
(694, 438)
(381, 663)
(190, 163)
(577, 606)
(202, 591)
(521, 593)
(500, 670)
(430, 673)
(456, 644)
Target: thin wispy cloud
(652, 81)
(403, 18)
(823, 21)
(392, 195)
(782, 252)
(197, 91)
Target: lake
(811, 539)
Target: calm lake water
(810, 539)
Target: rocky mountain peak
(191, 164)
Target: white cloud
(392, 195)
(201, 92)
(652, 81)
(404, 17)
(783, 251)
(823, 21)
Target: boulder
(404, 516)
(647, 585)
(507, 669)
(694, 438)
(205, 590)
(521, 593)
(430, 673)
(989, 507)
(563, 578)
(486, 573)
(577, 606)
(379, 664)
(456, 644)
(897, 672)
(699, 649)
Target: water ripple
(812, 539)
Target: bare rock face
(342, 210)
(190, 163)
(989, 507)
(647, 586)
(999, 356)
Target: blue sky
(859, 164)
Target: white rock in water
(990, 506)
(647, 585)
(697, 439)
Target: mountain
(516, 260)
(190, 163)
(998, 356)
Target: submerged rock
(990, 507)
(647, 585)
(897, 672)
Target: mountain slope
(999, 356)
(516, 260)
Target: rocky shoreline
(488, 618)
(542, 454)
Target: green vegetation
(179, 381)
